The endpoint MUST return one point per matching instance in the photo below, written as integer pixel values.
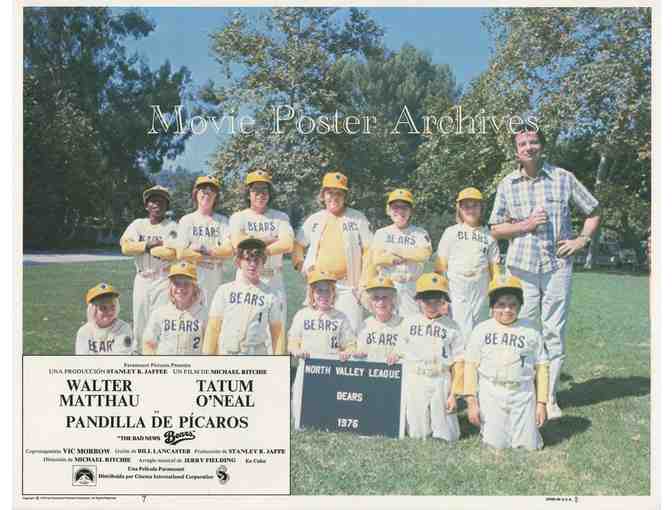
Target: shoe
(553, 411)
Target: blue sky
(452, 36)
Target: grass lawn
(600, 447)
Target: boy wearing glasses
(245, 312)
(270, 225)
(505, 357)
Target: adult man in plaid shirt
(532, 211)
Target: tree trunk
(592, 248)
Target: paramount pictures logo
(84, 476)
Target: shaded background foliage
(87, 155)
(584, 73)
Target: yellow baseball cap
(400, 194)
(379, 282)
(258, 176)
(207, 179)
(102, 289)
(431, 282)
(335, 180)
(183, 269)
(469, 193)
(508, 283)
(320, 276)
(156, 190)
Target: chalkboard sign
(355, 396)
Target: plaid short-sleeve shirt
(519, 195)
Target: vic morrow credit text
(106, 392)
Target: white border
(661, 321)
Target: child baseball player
(319, 331)
(245, 311)
(399, 251)
(104, 332)
(337, 240)
(204, 236)
(179, 326)
(379, 334)
(469, 256)
(151, 242)
(269, 225)
(431, 350)
(504, 358)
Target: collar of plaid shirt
(545, 170)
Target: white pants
(277, 285)
(148, 292)
(468, 301)
(426, 407)
(508, 416)
(209, 280)
(406, 297)
(347, 303)
(547, 297)
(297, 394)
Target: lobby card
(127, 425)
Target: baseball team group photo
(449, 237)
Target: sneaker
(553, 411)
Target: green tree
(398, 89)
(180, 182)
(283, 58)
(87, 111)
(585, 74)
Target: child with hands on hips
(504, 358)
(318, 331)
(179, 326)
(104, 332)
(431, 349)
(379, 335)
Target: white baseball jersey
(378, 339)
(468, 250)
(246, 312)
(391, 238)
(428, 348)
(322, 334)
(177, 331)
(506, 354)
(267, 226)
(142, 230)
(211, 231)
(431, 344)
(115, 339)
